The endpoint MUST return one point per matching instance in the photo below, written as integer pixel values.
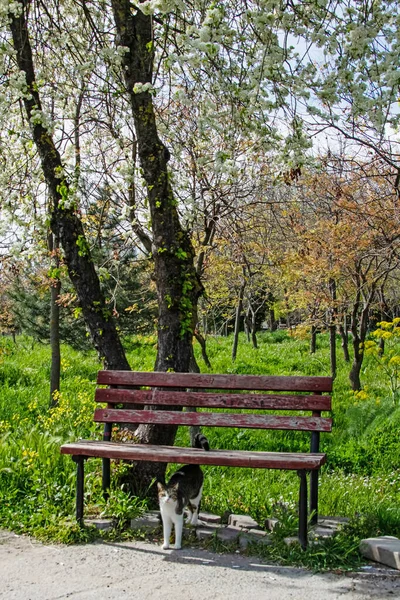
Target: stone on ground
(103, 524)
(332, 522)
(243, 522)
(384, 549)
(249, 538)
(209, 518)
(148, 522)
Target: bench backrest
(170, 392)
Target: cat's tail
(200, 441)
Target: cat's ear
(175, 486)
(160, 486)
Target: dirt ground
(140, 570)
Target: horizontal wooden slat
(250, 421)
(211, 381)
(174, 454)
(209, 400)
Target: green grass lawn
(361, 479)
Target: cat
(182, 491)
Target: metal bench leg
(315, 438)
(106, 462)
(106, 478)
(80, 479)
(303, 516)
(314, 497)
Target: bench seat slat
(251, 421)
(211, 381)
(201, 399)
(175, 454)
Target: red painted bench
(174, 391)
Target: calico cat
(182, 491)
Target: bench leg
(80, 480)
(106, 478)
(314, 497)
(315, 439)
(303, 516)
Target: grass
(361, 480)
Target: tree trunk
(355, 370)
(359, 327)
(55, 289)
(65, 222)
(345, 340)
(286, 295)
(313, 339)
(332, 329)
(202, 343)
(273, 323)
(239, 310)
(205, 325)
(332, 347)
(254, 329)
(247, 324)
(178, 285)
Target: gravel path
(140, 570)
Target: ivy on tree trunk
(178, 284)
(65, 222)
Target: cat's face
(167, 495)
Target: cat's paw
(176, 546)
(165, 546)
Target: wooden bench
(172, 392)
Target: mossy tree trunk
(178, 285)
(65, 222)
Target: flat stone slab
(248, 538)
(212, 526)
(205, 533)
(270, 523)
(148, 522)
(384, 549)
(322, 532)
(209, 518)
(228, 534)
(224, 534)
(291, 540)
(258, 533)
(332, 522)
(102, 524)
(243, 522)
